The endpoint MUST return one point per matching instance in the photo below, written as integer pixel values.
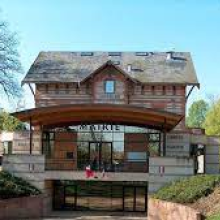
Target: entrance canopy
(75, 114)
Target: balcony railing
(81, 165)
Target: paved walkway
(94, 216)
(97, 218)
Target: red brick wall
(65, 142)
(168, 98)
(119, 97)
(162, 97)
(135, 142)
(19, 208)
(62, 93)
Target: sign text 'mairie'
(99, 127)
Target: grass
(13, 187)
(214, 217)
(188, 190)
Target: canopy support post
(164, 138)
(31, 136)
(164, 142)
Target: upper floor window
(109, 86)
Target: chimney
(169, 55)
(129, 68)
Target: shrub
(188, 190)
(12, 187)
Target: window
(142, 90)
(7, 147)
(114, 54)
(115, 62)
(109, 86)
(84, 54)
(57, 89)
(174, 90)
(67, 88)
(142, 54)
(69, 155)
(153, 90)
(46, 88)
(48, 143)
(164, 90)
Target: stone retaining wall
(163, 170)
(162, 210)
(19, 208)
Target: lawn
(214, 217)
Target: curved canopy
(64, 115)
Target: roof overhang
(65, 115)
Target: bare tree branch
(10, 66)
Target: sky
(119, 25)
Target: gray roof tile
(150, 68)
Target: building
(6, 140)
(108, 128)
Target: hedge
(188, 190)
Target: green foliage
(9, 123)
(212, 121)
(197, 114)
(214, 217)
(188, 190)
(12, 187)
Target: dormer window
(109, 86)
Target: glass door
(141, 199)
(100, 154)
(129, 198)
(106, 155)
(94, 155)
(135, 199)
(70, 192)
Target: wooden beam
(190, 91)
(100, 113)
(31, 88)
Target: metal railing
(106, 166)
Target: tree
(10, 64)
(197, 114)
(212, 121)
(10, 123)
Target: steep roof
(146, 67)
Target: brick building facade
(118, 115)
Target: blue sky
(120, 25)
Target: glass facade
(100, 196)
(106, 147)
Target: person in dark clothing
(95, 164)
